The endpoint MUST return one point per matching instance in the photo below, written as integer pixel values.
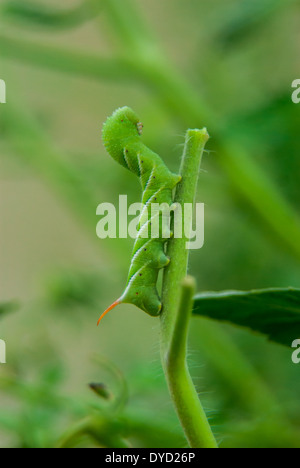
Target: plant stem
(185, 193)
(174, 320)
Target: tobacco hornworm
(122, 139)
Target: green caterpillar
(122, 139)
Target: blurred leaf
(67, 61)
(44, 16)
(272, 312)
(273, 129)
(68, 289)
(247, 17)
(261, 433)
(52, 375)
(7, 307)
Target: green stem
(185, 193)
(174, 320)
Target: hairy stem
(174, 319)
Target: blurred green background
(227, 65)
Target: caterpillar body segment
(122, 139)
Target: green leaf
(272, 312)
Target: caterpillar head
(122, 128)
